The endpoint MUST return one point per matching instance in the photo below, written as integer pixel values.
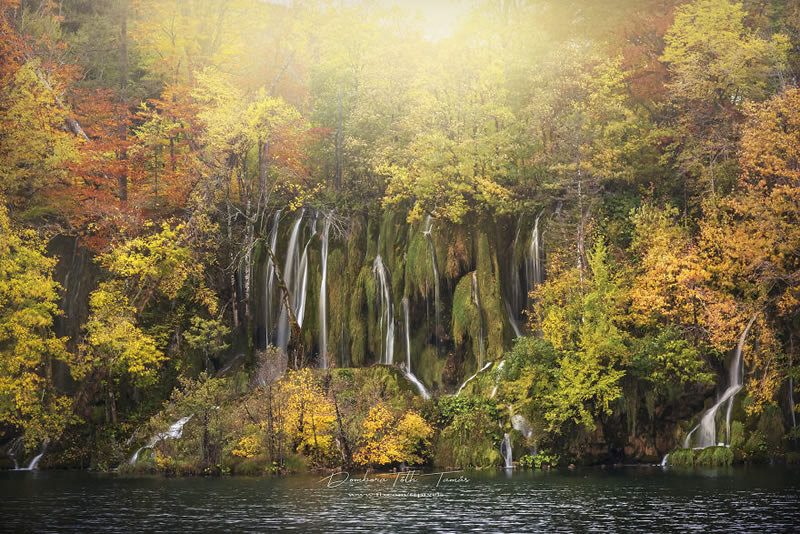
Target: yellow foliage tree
(28, 348)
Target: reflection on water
(639, 499)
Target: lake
(634, 499)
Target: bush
(538, 461)
(714, 457)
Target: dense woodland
(564, 217)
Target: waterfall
(300, 289)
(175, 431)
(35, 461)
(476, 299)
(706, 429)
(513, 321)
(386, 306)
(497, 378)
(468, 380)
(506, 451)
(664, 460)
(791, 402)
(429, 237)
(13, 450)
(408, 372)
(269, 285)
(533, 260)
(520, 424)
(290, 273)
(323, 298)
(517, 303)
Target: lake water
(632, 499)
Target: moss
(357, 323)
(770, 424)
(681, 458)
(714, 457)
(497, 328)
(465, 316)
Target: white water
(407, 371)
(664, 460)
(521, 425)
(497, 378)
(35, 461)
(323, 298)
(706, 430)
(269, 286)
(513, 321)
(517, 303)
(533, 261)
(467, 381)
(300, 290)
(386, 306)
(791, 402)
(290, 273)
(175, 431)
(476, 300)
(429, 237)
(506, 451)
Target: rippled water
(633, 499)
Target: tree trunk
(123, 85)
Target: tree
(29, 400)
(716, 64)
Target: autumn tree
(29, 400)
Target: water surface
(631, 499)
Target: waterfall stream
(468, 380)
(290, 273)
(506, 451)
(386, 306)
(300, 289)
(32, 465)
(323, 298)
(706, 429)
(408, 372)
(429, 237)
(269, 286)
(175, 431)
(533, 260)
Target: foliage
(29, 400)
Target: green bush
(538, 461)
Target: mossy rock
(714, 457)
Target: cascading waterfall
(290, 273)
(506, 451)
(476, 300)
(323, 298)
(408, 372)
(269, 291)
(429, 237)
(386, 306)
(664, 460)
(706, 429)
(175, 431)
